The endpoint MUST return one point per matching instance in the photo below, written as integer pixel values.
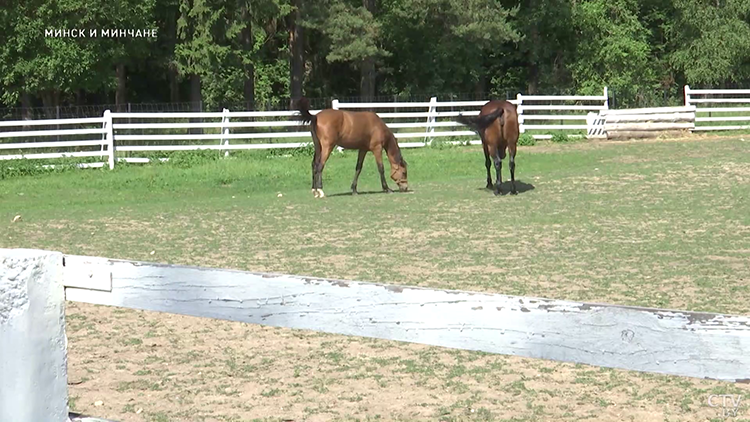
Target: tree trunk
(172, 72)
(48, 101)
(26, 104)
(246, 40)
(480, 90)
(368, 75)
(533, 79)
(196, 98)
(121, 91)
(532, 55)
(174, 86)
(297, 47)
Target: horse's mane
(393, 144)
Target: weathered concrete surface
(694, 344)
(33, 358)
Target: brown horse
(361, 130)
(497, 125)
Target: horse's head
(398, 174)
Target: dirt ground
(650, 223)
(129, 365)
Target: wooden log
(671, 117)
(647, 126)
(643, 134)
(693, 344)
(653, 110)
(631, 135)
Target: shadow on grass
(372, 192)
(521, 187)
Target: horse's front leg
(379, 160)
(358, 170)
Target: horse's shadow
(371, 192)
(505, 187)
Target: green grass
(634, 223)
(651, 223)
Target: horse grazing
(497, 125)
(361, 130)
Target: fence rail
(36, 283)
(415, 124)
(714, 103)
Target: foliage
(643, 51)
(526, 140)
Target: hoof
(354, 193)
(389, 190)
(318, 193)
(514, 192)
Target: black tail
(480, 123)
(303, 106)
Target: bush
(526, 140)
(560, 138)
(187, 159)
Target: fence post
(225, 130)
(590, 123)
(687, 95)
(335, 104)
(33, 368)
(431, 110)
(110, 138)
(606, 98)
(519, 110)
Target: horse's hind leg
(325, 151)
(487, 164)
(498, 158)
(315, 161)
(378, 151)
(358, 169)
(512, 165)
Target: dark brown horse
(497, 125)
(360, 130)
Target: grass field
(662, 223)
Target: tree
(443, 45)
(612, 50)
(33, 63)
(712, 40)
(352, 36)
(297, 51)
(120, 54)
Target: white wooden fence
(719, 109)
(35, 284)
(116, 137)
(122, 138)
(99, 127)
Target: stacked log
(648, 122)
